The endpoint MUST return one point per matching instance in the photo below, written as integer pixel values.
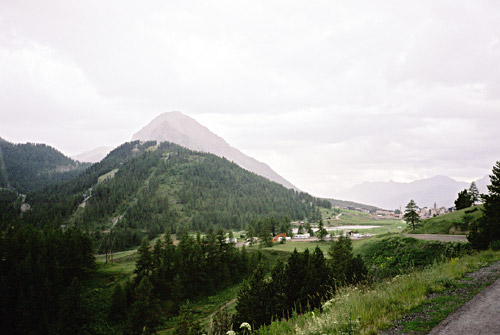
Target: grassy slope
(349, 217)
(444, 224)
(366, 310)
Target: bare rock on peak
(183, 130)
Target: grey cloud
(328, 93)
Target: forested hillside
(28, 167)
(142, 188)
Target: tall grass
(365, 310)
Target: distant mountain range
(180, 129)
(441, 190)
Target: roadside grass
(365, 310)
(444, 224)
(428, 315)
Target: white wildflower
(246, 325)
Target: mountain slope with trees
(143, 188)
(27, 167)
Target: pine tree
(321, 233)
(186, 323)
(346, 269)
(411, 216)
(144, 316)
(118, 308)
(253, 300)
(473, 193)
(464, 200)
(309, 229)
(144, 265)
(487, 229)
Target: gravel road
(478, 316)
(437, 237)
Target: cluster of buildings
(426, 212)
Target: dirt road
(478, 316)
(437, 237)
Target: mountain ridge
(439, 189)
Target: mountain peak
(178, 128)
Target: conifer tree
(346, 269)
(473, 193)
(321, 233)
(253, 300)
(464, 200)
(144, 265)
(487, 229)
(186, 323)
(411, 216)
(144, 316)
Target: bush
(495, 245)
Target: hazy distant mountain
(94, 155)
(178, 128)
(390, 195)
(482, 183)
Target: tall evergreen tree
(144, 265)
(186, 323)
(473, 193)
(487, 229)
(411, 216)
(346, 269)
(321, 233)
(253, 300)
(144, 317)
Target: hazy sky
(328, 93)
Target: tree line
(301, 284)
(40, 275)
(167, 275)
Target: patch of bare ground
(455, 296)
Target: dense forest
(40, 275)
(28, 167)
(143, 188)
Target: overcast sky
(328, 93)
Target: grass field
(444, 224)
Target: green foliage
(487, 229)
(347, 269)
(368, 310)
(301, 284)
(168, 188)
(464, 200)
(411, 216)
(27, 167)
(186, 323)
(391, 255)
(144, 317)
(321, 233)
(39, 293)
(221, 323)
(254, 299)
